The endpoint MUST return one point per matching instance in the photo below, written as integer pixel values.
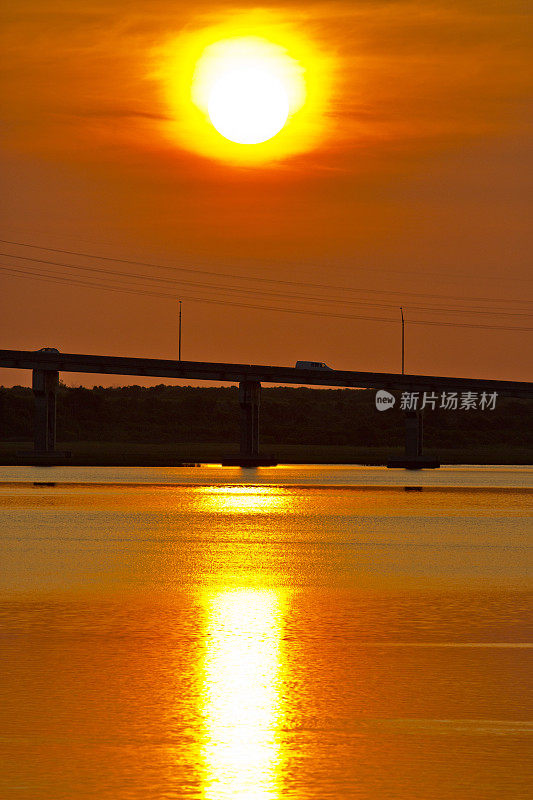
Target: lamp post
(179, 334)
(403, 341)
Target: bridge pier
(249, 401)
(45, 384)
(414, 457)
(414, 434)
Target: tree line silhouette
(161, 414)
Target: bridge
(46, 367)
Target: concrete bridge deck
(237, 373)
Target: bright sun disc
(248, 90)
(247, 104)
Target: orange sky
(415, 192)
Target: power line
(358, 269)
(241, 290)
(304, 312)
(261, 279)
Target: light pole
(179, 334)
(403, 341)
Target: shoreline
(122, 454)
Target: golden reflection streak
(242, 499)
(243, 708)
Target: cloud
(119, 113)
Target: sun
(250, 90)
(248, 103)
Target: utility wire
(359, 269)
(241, 290)
(261, 279)
(304, 312)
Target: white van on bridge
(312, 365)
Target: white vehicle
(312, 365)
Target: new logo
(384, 400)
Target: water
(297, 632)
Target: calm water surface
(297, 632)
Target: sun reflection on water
(242, 499)
(243, 708)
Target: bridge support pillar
(414, 436)
(45, 384)
(414, 432)
(249, 401)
